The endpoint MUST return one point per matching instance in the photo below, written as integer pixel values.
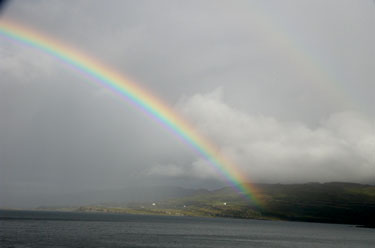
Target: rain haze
(283, 88)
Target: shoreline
(370, 226)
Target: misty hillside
(118, 197)
(330, 202)
(346, 203)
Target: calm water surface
(59, 229)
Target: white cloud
(19, 64)
(341, 148)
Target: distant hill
(115, 197)
(345, 203)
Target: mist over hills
(106, 197)
(335, 202)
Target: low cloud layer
(340, 148)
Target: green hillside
(314, 202)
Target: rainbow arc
(142, 98)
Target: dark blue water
(64, 229)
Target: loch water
(73, 229)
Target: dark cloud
(3, 5)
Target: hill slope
(314, 202)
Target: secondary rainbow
(135, 94)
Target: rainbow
(138, 96)
(305, 60)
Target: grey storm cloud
(283, 88)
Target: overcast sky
(284, 88)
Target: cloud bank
(340, 148)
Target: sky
(283, 88)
